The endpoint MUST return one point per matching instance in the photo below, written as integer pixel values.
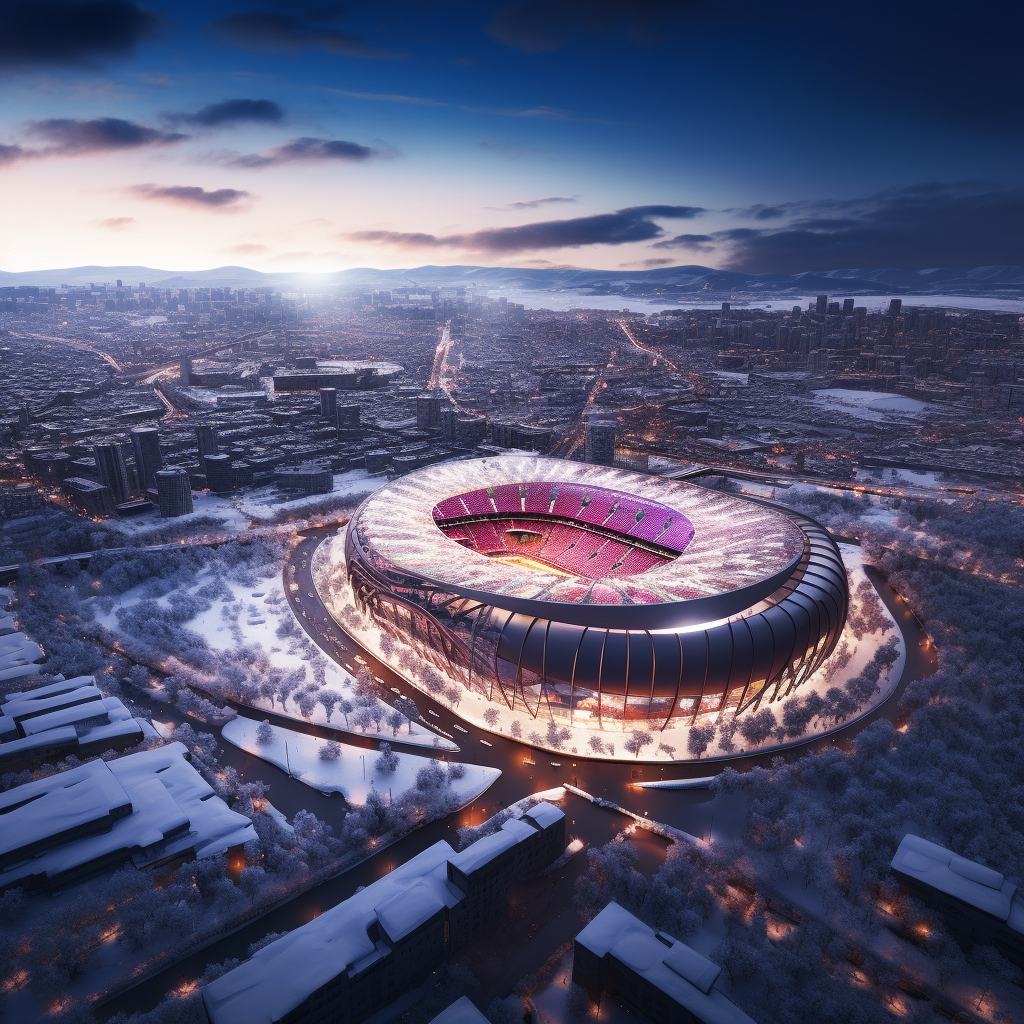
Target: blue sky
(292, 136)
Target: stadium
(594, 596)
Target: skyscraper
(146, 446)
(599, 445)
(185, 371)
(821, 306)
(206, 438)
(112, 470)
(895, 307)
(847, 307)
(175, 494)
(329, 404)
(219, 476)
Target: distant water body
(578, 300)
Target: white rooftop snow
(683, 974)
(980, 887)
(484, 850)
(462, 1011)
(166, 795)
(281, 975)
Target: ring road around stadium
(595, 596)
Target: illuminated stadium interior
(594, 596)
(589, 532)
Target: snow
(224, 627)
(171, 808)
(462, 1011)
(703, 783)
(407, 911)
(870, 405)
(353, 774)
(280, 976)
(682, 974)
(965, 880)
(483, 851)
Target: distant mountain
(664, 282)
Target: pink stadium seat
(507, 498)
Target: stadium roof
(738, 547)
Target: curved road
(688, 810)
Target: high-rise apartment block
(599, 444)
(206, 439)
(146, 446)
(113, 471)
(329, 404)
(174, 492)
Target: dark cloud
(67, 136)
(697, 242)
(230, 112)
(9, 154)
(931, 225)
(293, 30)
(634, 224)
(69, 33)
(532, 204)
(540, 26)
(115, 223)
(307, 150)
(191, 195)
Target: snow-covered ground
(870, 405)
(353, 773)
(669, 744)
(255, 505)
(251, 619)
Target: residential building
(649, 972)
(979, 905)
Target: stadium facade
(594, 596)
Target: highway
(690, 811)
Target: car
(556, 764)
(486, 744)
(360, 659)
(434, 713)
(308, 594)
(395, 689)
(529, 761)
(459, 727)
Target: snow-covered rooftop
(683, 974)
(544, 814)
(462, 1011)
(483, 851)
(281, 975)
(982, 888)
(154, 798)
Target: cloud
(231, 112)
(635, 224)
(246, 249)
(532, 204)
(191, 195)
(293, 31)
(650, 264)
(541, 26)
(9, 154)
(115, 223)
(67, 136)
(927, 225)
(70, 33)
(307, 150)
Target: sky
(614, 134)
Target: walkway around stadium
(688, 810)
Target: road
(689, 811)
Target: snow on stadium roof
(736, 544)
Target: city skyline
(612, 136)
